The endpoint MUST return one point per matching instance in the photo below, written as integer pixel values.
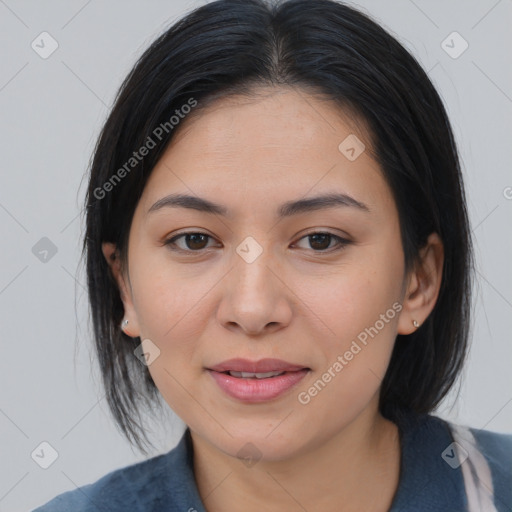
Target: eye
(194, 241)
(320, 241)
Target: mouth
(260, 367)
(257, 381)
(249, 375)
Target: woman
(278, 245)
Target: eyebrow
(285, 210)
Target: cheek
(168, 300)
(354, 298)
(170, 311)
(361, 306)
(363, 313)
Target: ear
(423, 285)
(112, 256)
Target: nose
(255, 298)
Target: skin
(298, 301)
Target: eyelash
(342, 242)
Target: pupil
(321, 236)
(194, 240)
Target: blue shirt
(428, 483)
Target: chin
(258, 440)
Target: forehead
(280, 142)
(270, 117)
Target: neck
(355, 469)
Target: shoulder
(434, 453)
(489, 455)
(120, 487)
(163, 482)
(497, 450)
(496, 446)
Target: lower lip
(257, 390)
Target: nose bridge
(254, 296)
(253, 274)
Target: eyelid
(342, 242)
(170, 242)
(327, 231)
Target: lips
(261, 366)
(257, 381)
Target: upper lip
(261, 366)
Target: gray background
(52, 110)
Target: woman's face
(255, 285)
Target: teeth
(248, 375)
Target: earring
(124, 323)
(415, 323)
